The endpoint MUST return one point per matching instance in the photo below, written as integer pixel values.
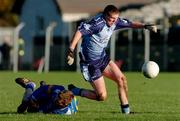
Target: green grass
(150, 100)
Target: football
(150, 69)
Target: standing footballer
(94, 61)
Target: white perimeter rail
(16, 46)
(49, 33)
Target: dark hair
(110, 9)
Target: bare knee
(101, 97)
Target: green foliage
(7, 18)
(150, 100)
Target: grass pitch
(150, 100)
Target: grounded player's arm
(70, 55)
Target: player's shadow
(2, 113)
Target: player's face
(111, 19)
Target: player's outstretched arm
(151, 27)
(137, 25)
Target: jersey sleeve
(40, 93)
(43, 93)
(91, 27)
(123, 23)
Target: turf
(150, 100)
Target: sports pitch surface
(150, 100)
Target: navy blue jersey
(45, 96)
(96, 35)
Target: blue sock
(31, 85)
(76, 91)
(125, 109)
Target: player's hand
(151, 27)
(70, 56)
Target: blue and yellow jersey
(46, 95)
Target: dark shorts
(92, 70)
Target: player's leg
(92, 73)
(29, 88)
(111, 75)
(100, 88)
(99, 93)
(77, 91)
(114, 73)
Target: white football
(150, 69)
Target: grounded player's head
(111, 13)
(64, 98)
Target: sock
(125, 109)
(31, 85)
(77, 91)
(28, 91)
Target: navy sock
(77, 91)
